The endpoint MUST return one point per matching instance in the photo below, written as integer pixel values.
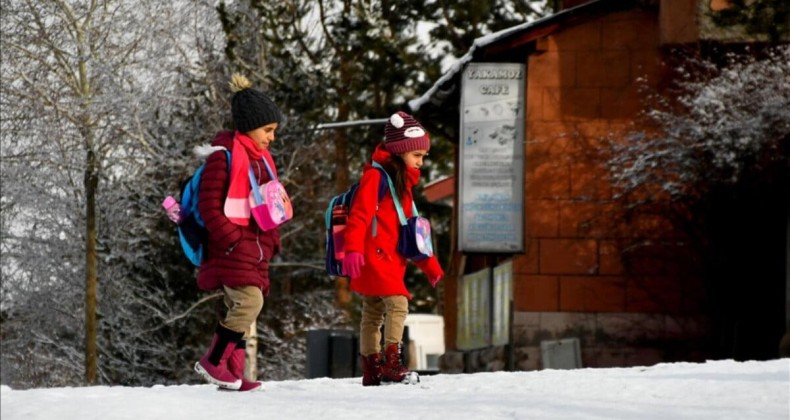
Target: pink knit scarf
(237, 205)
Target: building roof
(441, 189)
(516, 36)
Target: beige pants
(244, 304)
(377, 310)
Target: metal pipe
(326, 126)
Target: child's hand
(174, 213)
(435, 280)
(352, 264)
(433, 271)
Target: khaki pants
(244, 304)
(377, 310)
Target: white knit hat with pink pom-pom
(403, 133)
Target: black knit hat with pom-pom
(251, 108)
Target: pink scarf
(237, 204)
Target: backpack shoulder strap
(227, 165)
(384, 186)
(206, 151)
(383, 181)
(227, 158)
(395, 200)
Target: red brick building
(583, 70)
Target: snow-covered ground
(713, 390)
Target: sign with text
(491, 169)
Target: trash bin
(342, 354)
(332, 354)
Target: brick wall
(581, 86)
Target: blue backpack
(336, 216)
(192, 230)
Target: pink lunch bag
(269, 203)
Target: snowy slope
(713, 390)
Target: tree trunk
(342, 289)
(91, 263)
(343, 292)
(341, 153)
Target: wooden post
(784, 343)
(251, 356)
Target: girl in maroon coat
(238, 250)
(372, 261)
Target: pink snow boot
(213, 366)
(236, 366)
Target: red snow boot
(394, 371)
(371, 369)
(213, 366)
(236, 363)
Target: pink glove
(352, 264)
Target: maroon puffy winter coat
(236, 255)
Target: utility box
(332, 354)
(561, 354)
(425, 341)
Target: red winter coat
(384, 269)
(236, 255)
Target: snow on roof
(483, 41)
(458, 66)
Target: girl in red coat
(372, 262)
(238, 250)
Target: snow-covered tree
(715, 163)
(91, 97)
(720, 130)
(456, 25)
